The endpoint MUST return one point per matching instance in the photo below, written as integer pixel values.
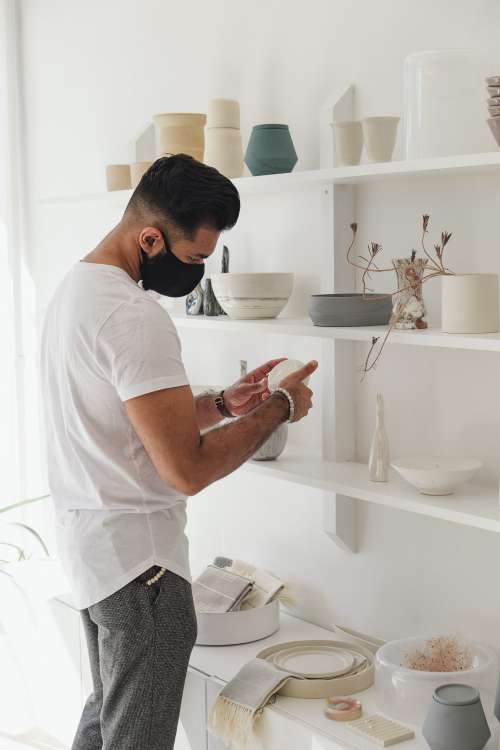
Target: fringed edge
(233, 723)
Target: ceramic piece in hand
(283, 370)
(249, 296)
(437, 476)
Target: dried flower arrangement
(443, 653)
(429, 267)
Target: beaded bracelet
(156, 577)
(291, 403)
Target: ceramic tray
(360, 678)
(314, 662)
(243, 626)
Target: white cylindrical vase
(444, 97)
(348, 137)
(469, 303)
(223, 113)
(224, 151)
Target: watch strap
(221, 406)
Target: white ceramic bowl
(406, 694)
(246, 296)
(437, 475)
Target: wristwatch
(221, 406)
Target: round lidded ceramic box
(456, 719)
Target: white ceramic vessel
(380, 137)
(248, 296)
(378, 463)
(348, 139)
(242, 626)
(436, 475)
(469, 303)
(444, 103)
(118, 177)
(223, 113)
(224, 151)
(406, 694)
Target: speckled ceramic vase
(270, 150)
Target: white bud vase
(378, 464)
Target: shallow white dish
(406, 694)
(314, 662)
(243, 626)
(281, 371)
(247, 296)
(437, 475)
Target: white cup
(348, 142)
(223, 113)
(380, 137)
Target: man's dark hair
(188, 193)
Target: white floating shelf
(471, 505)
(363, 173)
(433, 337)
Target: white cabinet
(191, 732)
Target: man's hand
(250, 391)
(300, 393)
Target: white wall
(95, 73)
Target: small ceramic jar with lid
(456, 719)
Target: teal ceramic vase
(270, 150)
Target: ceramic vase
(224, 151)
(409, 308)
(194, 301)
(469, 303)
(379, 134)
(179, 133)
(444, 103)
(223, 113)
(378, 464)
(137, 169)
(210, 305)
(270, 150)
(118, 177)
(348, 139)
(456, 719)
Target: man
(125, 447)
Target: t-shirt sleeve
(139, 351)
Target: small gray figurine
(194, 301)
(225, 259)
(210, 304)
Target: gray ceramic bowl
(494, 111)
(350, 309)
(493, 80)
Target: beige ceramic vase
(224, 151)
(180, 133)
(137, 169)
(118, 177)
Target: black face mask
(167, 275)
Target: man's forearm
(224, 450)
(207, 414)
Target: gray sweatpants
(139, 642)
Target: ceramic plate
(359, 679)
(314, 662)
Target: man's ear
(151, 240)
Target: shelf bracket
(340, 520)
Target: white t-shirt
(106, 340)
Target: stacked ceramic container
(223, 146)
(180, 133)
(493, 83)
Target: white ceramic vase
(380, 137)
(445, 103)
(224, 151)
(118, 177)
(469, 303)
(348, 139)
(378, 464)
